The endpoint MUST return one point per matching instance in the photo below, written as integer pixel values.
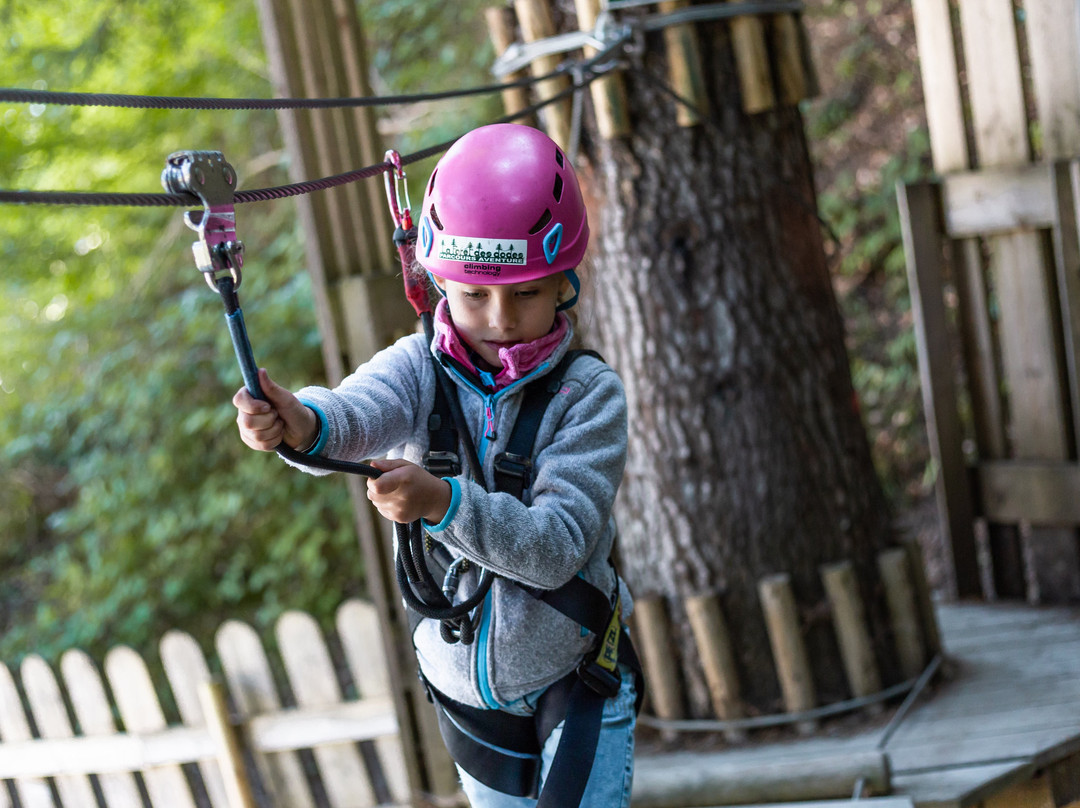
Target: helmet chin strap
(575, 282)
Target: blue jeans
(613, 768)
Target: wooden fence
(1002, 87)
(236, 744)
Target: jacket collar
(518, 361)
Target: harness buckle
(598, 678)
(515, 465)
(442, 464)
(600, 671)
(207, 175)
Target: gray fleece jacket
(562, 528)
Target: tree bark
(709, 292)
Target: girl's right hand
(280, 419)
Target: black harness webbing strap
(574, 756)
(513, 466)
(508, 759)
(442, 458)
(580, 601)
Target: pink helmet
(502, 206)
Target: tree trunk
(709, 292)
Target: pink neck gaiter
(517, 360)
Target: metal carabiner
(395, 181)
(207, 175)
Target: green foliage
(868, 133)
(128, 504)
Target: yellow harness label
(608, 657)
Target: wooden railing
(236, 744)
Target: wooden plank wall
(1014, 335)
(343, 716)
(316, 49)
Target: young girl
(542, 657)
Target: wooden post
(921, 227)
(608, 93)
(661, 671)
(903, 613)
(925, 603)
(684, 66)
(14, 728)
(941, 82)
(501, 23)
(93, 711)
(51, 717)
(230, 755)
(752, 62)
(316, 49)
(788, 646)
(849, 619)
(1020, 267)
(796, 779)
(717, 658)
(1053, 34)
(1066, 185)
(536, 23)
(791, 78)
(948, 145)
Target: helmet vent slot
(431, 182)
(557, 190)
(435, 218)
(540, 223)
(559, 159)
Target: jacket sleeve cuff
(324, 429)
(451, 512)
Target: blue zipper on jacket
(490, 400)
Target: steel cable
(89, 198)
(16, 95)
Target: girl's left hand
(405, 492)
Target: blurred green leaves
(867, 132)
(128, 504)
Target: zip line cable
(119, 199)
(16, 95)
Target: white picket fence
(122, 748)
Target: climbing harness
(504, 751)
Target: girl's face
(493, 317)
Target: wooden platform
(1003, 731)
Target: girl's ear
(440, 283)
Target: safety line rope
(118, 199)
(912, 687)
(15, 95)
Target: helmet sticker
(473, 250)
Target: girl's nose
(501, 314)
